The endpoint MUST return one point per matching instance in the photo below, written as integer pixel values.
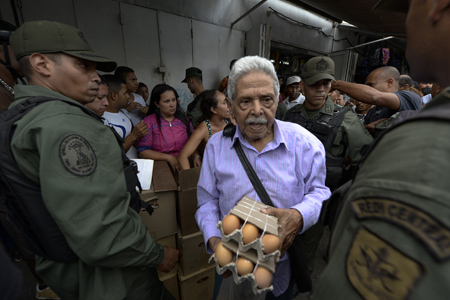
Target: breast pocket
(288, 194)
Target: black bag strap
(229, 131)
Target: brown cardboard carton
(194, 256)
(199, 285)
(162, 197)
(187, 200)
(171, 242)
(170, 281)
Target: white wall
(177, 34)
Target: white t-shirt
(135, 115)
(291, 104)
(121, 122)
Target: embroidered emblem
(77, 155)
(321, 66)
(425, 227)
(378, 270)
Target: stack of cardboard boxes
(173, 224)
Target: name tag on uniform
(425, 227)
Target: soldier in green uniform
(392, 238)
(339, 129)
(77, 163)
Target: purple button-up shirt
(291, 168)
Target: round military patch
(321, 66)
(77, 155)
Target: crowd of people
(70, 146)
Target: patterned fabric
(291, 168)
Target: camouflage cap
(53, 37)
(318, 68)
(400, 6)
(193, 71)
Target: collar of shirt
(278, 139)
(27, 91)
(326, 109)
(299, 98)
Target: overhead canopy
(358, 13)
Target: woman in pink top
(168, 127)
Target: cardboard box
(170, 281)
(162, 196)
(199, 285)
(187, 200)
(194, 256)
(171, 242)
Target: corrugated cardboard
(199, 285)
(171, 242)
(170, 281)
(162, 196)
(194, 256)
(187, 200)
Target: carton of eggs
(249, 247)
(244, 266)
(251, 229)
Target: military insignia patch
(424, 226)
(378, 270)
(77, 155)
(321, 66)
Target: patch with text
(378, 270)
(425, 227)
(77, 155)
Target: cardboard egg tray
(252, 256)
(248, 210)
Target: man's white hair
(247, 65)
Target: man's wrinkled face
(255, 105)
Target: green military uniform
(194, 114)
(392, 239)
(351, 134)
(77, 162)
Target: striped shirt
(291, 167)
(174, 136)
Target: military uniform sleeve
(355, 135)
(79, 167)
(194, 115)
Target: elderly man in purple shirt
(289, 161)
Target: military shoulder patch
(425, 227)
(77, 155)
(378, 270)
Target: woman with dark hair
(216, 114)
(168, 127)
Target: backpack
(22, 197)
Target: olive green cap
(400, 6)
(191, 72)
(318, 68)
(53, 37)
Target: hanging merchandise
(386, 55)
